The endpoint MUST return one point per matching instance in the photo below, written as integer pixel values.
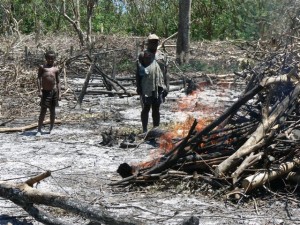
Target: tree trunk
(5, 19)
(183, 38)
(76, 21)
(90, 5)
(8, 20)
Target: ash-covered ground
(83, 168)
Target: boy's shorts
(49, 99)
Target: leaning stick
(38, 178)
(106, 78)
(85, 85)
(249, 95)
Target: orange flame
(180, 130)
(187, 102)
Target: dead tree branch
(26, 197)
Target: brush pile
(254, 142)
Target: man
(152, 81)
(49, 90)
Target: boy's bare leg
(52, 118)
(41, 120)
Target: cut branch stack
(254, 142)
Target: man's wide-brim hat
(153, 37)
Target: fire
(179, 131)
(144, 165)
(187, 102)
(167, 143)
(191, 103)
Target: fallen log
(261, 178)
(127, 93)
(26, 197)
(105, 92)
(113, 82)
(249, 161)
(27, 127)
(107, 83)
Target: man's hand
(165, 92)
(40, 94)
(139, 91)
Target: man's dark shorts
(49, 99)
(152, 100)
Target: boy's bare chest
(49, 72)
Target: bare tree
(76, 21)
(6, 15)
(9, 24)
(183, 37)
(76, 18)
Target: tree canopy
(211, 19)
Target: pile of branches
(253, 143)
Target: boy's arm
(58, 84)
(39, 81)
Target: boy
(49, 90)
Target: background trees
(183, 36)
(211, 19)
